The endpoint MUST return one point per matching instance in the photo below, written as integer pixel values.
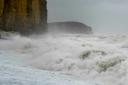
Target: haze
(104, 16)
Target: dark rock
(69, 27)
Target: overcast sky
(101, 15)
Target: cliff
(69, 27)
(24, 16)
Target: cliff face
(23, 16)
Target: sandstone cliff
(23, 16)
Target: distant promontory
(69, 27)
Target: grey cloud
(102, 15)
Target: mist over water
(104, 16)
(96, 59)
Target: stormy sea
(93, 59)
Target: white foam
(100, 58)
